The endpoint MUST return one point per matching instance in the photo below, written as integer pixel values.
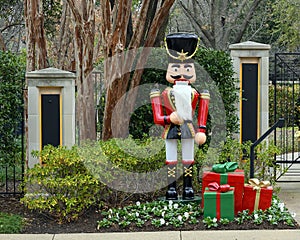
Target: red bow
(214, 186)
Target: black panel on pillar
(249, 101)
(50, 119)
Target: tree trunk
(84, 18)
(35, 36)
(40, 37)
(159, 41)
(30, 10)
(65, 43)
(115, 18)
(121, 92)
(36, 49)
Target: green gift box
(219, 204)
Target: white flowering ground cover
(152, 216)
(163, 215)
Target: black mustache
(180, 76)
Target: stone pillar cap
(249, 45)
(50, 73)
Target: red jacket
(163, 104)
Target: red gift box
(257, 197)
(235, 179)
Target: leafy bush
(286, 105)
(135, 155)
(219, 66)
(129, 164)
(10, 223)
(70, 181)
(12, 73)
(61, 187)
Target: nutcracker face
(181, 48)
(181, 72)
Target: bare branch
(12, 25)
(247, 20)
(239, 9)
(2, 44)
(199, 23)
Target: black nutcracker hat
(181, 47)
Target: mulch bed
(36, 223)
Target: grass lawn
(10, 223)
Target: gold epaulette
(155, 93)
(205, 95)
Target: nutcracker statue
(174, 109)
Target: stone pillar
(251, 64)
(51, 110)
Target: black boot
(188, 192)
(171, 193)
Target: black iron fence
(12, 149)
(286, 105)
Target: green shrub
(219, 66)
(10, 223)
(12, 73)
(264, 165)
(285, 104)
(135, 155)
(128, 164)
(61, 187)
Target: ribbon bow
(214, 186)
(225, 167)
(257, 185)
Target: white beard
(183, 103)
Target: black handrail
(280, 124)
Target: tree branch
(156, 24)
(76, 14)
(139, 30)
(207, 34)
(2, 44)
(125, 21)
(240, 8)
(12, 25)
(247, 20)
(106, 26)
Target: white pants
(187, 149)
